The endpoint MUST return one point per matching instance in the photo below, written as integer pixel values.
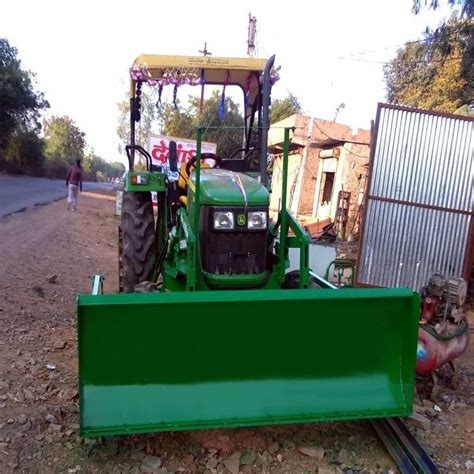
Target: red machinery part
(429, 305)
(434, 350)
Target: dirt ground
(47, 256)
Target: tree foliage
(148, 122)
(466, 7)
(115, 169)
(20, 103)
(22, 150)
(65, 143)
(226, 132)
(433, 73)
(96, 168)
(180, 121)
(24, 153)
(282, 108)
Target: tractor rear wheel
(138, 234)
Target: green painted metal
(221, 187)
(282, 247)
(178, 361)
(156, 182)
(179, 270)
(194, 261)
(301, 241)
(340, 264)
(161, 230)
(190, 358)
(236, 281)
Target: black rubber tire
(138, 233)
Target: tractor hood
(228, 188)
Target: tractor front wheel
(138, 234)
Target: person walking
(74, 181)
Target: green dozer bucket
(216, 359)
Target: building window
(328, 187)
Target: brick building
(325, 158)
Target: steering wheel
(204, 156)
(247, 155)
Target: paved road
(20, 192)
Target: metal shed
(418, 216)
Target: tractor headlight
(257, 220)
(138, 179)
(223, 220)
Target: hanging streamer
(201, 103)
(160, 91)
(142, 74)
(241, 186)
(222, 104)
(175, 93)
(247, 91)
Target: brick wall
(356, 158)
(308, 183)
(354, 181)
(326, 134)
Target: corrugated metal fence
(419, 204)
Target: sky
(330, 52)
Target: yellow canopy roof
(215, 69)
(192, 70)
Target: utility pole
(252, 33)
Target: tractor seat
(183, 182)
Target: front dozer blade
(178, 361)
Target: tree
(115, 169)
(96, 168)
(226, 132)
(282, 108)
(433, 74)
(180, 121)
(466, 10)
(65, 143)
(20, 104)
(177, 122)
(143, 129)
(93, 166)
(443, 37)
(24, 153)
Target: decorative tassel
(247, 91)
(222, 105)
(201, 103)
(175, 93)
(160, 91)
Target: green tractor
(211, 329)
